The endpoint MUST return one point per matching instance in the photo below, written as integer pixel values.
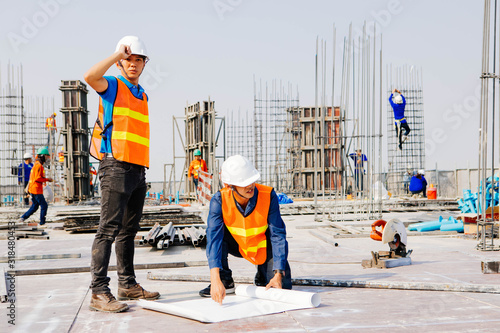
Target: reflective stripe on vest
(249, 232)
(130, 131)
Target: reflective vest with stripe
(130, 131)
(249, 232)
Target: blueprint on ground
(249, 301)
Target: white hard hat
(421, 171)
(239, 171)
(136, 45)
(28, 155)
(398, 99)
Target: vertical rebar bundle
(408, 80)
(270, 123)
(12, 134)
(240, 137)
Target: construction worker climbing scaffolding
(398, 103)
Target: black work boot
(229, 285)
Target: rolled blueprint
(301, 298)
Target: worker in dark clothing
(398, 103)
(418, 184)
(23, 175)
(359, 167)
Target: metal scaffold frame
(487, 156)
(360, 195)
(76, 140)
(304, 151)
(270, 155)
(240, 134)
(12, 135)
(409, 81)
(202, 130)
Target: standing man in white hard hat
(398, 103)
(120, 140)
(244, 220)
(23, 175)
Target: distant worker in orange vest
(50, 125)
(120, 140)
(245, 221)
(35, 187)
(92, 173)
(197, 164)
(61, 155)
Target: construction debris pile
(88, 219)
(23, 230)
(472, 202)
(168, 235)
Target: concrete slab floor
(51, 303)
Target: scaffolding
(203, 130)
(36, 110)
(304, 150)
(408, 80)
(76, 140)
(240, 137)
(12, 135)
(270, 155)
(304, 125)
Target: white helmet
(136, 45)
(421, 171)
(28, 155)
(398, 99)
(239, 171)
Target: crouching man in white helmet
(245, 221)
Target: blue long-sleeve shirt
(399, 109)
(277, 230)
(27, 170)
(417, 184)
(359, 162)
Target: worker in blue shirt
(418, 184)
(245, 221)
(359, 167)
(23, 175)
(398, 103)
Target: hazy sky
(215, 47)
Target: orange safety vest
(37, 178)
(195, 166)
(130, 134)
(249, 232)
(50, 122)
